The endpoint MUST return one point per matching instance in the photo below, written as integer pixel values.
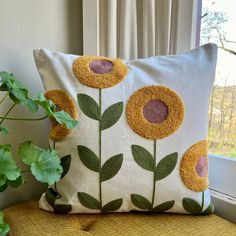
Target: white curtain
(138, 28)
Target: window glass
(218, 25)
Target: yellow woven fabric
(26, 219)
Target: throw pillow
(141, 139)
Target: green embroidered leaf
(89, 158)
(51, 196)
(7, 164)
(65, 163)
(164, 206)
(111, 167)
(89, 201)
(45, 164)
(111, 115)
(141, 202)
(62, 209)
(209, 210)
(166, 166)
(112, 206)
(4, 228)
(4, 130)
(143, 158)
(191, 206)
(89, 106)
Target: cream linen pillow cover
(141, 139)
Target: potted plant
(44, 164)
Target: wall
(24, 25)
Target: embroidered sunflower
(63, 102)
(99, 72)
(194, 167)
(155, 112)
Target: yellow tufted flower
(99, 72)
(194, 167)
(63, 102)
(155, 112)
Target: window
(218, 26)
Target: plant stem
(5, 96)
(154, 181)
(202, 200)
(55, 185)
(23, 119)
(100, 147)
(5, 116)
(25, 171)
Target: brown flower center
(202, 166)
(155, 111)
(100, 66)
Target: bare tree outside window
(218, 26)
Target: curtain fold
(132, 29)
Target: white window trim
(222, 174)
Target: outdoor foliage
(222, 109)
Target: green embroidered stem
(154, 181)
(5, 96)
(202, 206)
(23, 119)
(4, 117)
(100, 147)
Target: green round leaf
(164, 206)
(3, 187)
(65, 163)
(143, 157)
(3, 179)
(62, 209)
(89, 106)
(15, 183)
(89, 158)
(4, 228)
(8, 166)
(166, 166)
(64, 118)
(141, 202)
(209, 210)
(89, 201)
(111, 167)
(191, 206)
(4, 130)
(111, 115)
(45, 164)
(112, 206)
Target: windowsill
(222, 186)
(225, 206)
